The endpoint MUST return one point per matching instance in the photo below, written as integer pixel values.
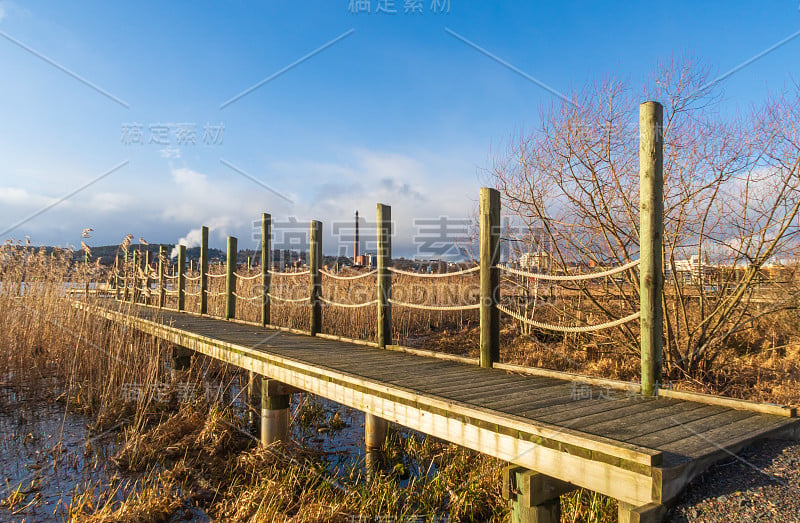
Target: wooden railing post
(266, 265)
(203, 270)
(230, 280)
(126, 269)
(162, 280)
(651, 234)
(147, 280)
(137, 259)
(115, 280)
(181, 277)
(384, 281)
(315, 277)
(489, 221)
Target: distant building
(535, 261)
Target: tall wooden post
(384, 287)
(489, 221)
(315, 277)
(230, 280)
(651, 234)
(181, 277)
(162, 280)
(266, 265)
(203, 270)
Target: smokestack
(355, 245)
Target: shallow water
(44, 456)
(48, 455)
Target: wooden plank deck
(635, 449)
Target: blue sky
(398, 110)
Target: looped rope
(195, 278)
(357, 276)
(247, 299)
(558, 328)
(187, 293)
(287, 300)
(577, 277)
(301, 273)
(347, 305)
(174, 277)
(253, 277)
(436, 275)
(435, 307)
(209, 275)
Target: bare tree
(732, 194)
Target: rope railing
(567, 277)
(436, 275)
(216, 293)
(356, 277)
(208, 274)
(187, 293)
(257, 297)
(288, 300)
(560, 328)
(173, 277)
(435, 307)
(253, 277)
(299, 273)
(192, 278)
(348, 305)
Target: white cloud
(22, 198)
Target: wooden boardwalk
(641, 451)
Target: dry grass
(194, 454)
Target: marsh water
(48, 454)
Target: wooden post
(147, 282)
(274, 412)
(375, 429)
(115, 280)
(125, 268)
(315, 278)
(181, 277)
(203, 270)
(534, 497)
(384, 287)
(230, 280)
(266, 265)
(162, 280)
(137, 256)
(489, 221)
(651, 233)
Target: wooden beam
(230, 279)
(651, 235)
(315, 277)
(489, 221)
(266, 266)
(181, 277)
(203, 270)
(162, 277)
(384, 287)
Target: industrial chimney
(355, 245)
